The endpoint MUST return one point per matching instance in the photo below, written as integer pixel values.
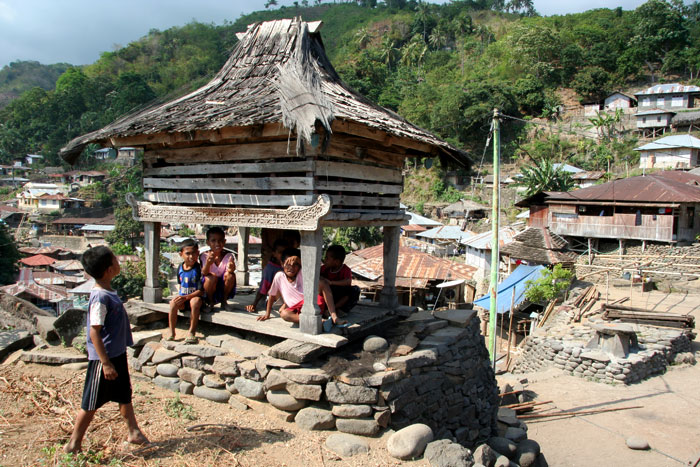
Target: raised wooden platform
(363, 317)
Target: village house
(658, 207)
(276, 141)
(685, 122)
(419, 276)
(585, 179)
(478, 249)
(446, 239)
(537, 245)
(672, 96)
(654, 122)
(54, 298)
(619, 100)
(670, 152)
(463, 211)
(32, 159)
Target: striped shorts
(98, 390)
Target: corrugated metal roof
(482, 241)
(417, 219)
(37, 260)
(413, 228)
(590, 175)
(445, 232)
(98, 228)
(68, 265)
(670, 142)
(654, 112)
(671, 88)
(412, 264)
(566, 168)
(646, 189)
(42, 292)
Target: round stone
(503, 446)
(409, 442)
(167, 369)
(346, 445)
(312, 418)
(637, 443)
(527, 453)
(445, 453)
(375, 344)
(284, 401)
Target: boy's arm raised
(107, 367)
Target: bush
(550, 286)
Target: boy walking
(108, 336)
(190, 290)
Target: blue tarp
(518, 280)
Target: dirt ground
(38, 405)
(669, 417)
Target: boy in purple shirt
(108, 336)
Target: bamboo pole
(510, 325)
(582, 412)
(493, 287)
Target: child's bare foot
(71, 448)
(136, 437)
(170, 336)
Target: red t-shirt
(341, 274)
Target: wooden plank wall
(358, 174)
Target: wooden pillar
(311, 251)
(242, 275)
(152, 292)
(389, 297)
(589, 251)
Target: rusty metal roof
(38, 260)
(412, 264)
(654, 188)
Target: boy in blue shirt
(190, 290)
(108, 336)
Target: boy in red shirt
(339, 278)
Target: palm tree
(413, 52)
(388, 51)
(437, 38)
(542, 176)
(363, 38)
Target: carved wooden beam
(292, 218)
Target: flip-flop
(327, 325)
(191, 340)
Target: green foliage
(122, 249)
(550, 286)
(592, 83)
(54, 456)
(20, 76)
(9, 256)
(353, 238)
(175, 408)
(542, 176)
(131, 280)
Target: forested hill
(444, 67)
(20, 76)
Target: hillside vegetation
(443, 67)
(21, 76)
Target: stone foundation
(431, 369)
(564, 347)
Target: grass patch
(175, 408)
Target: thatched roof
(277, 73)
(462, 207)
(538, 245)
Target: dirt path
(669, 419)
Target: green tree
(550, 286)
(542, 176)
(592, 83)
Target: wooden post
(152, 292)
(311, 250)
(589, 251)
(388, 297)
(607, 286)
(242, 275)
(644, 245)
(621, 248)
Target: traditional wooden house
(670, 152)
(685, 122)
(465, 210)
(275, 140)
(587, 178)
(652, 207)
(537, 245)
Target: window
(677, 101)
(645, 101)
(691, 217)
(644, 119)
(658, 119)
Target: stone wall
(564, 347)
(429, 369)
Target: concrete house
(478, 249)
(671, 96)
(654, 122)
(618, 100)
(670, 152)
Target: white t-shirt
(292, 292)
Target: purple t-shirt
(268, 275)
(106, 309)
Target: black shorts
(98, 390)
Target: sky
(78, 31)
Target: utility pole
(493, 286)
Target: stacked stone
(657, 348)
(444, 380)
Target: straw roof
(277, 73)
(538, 245)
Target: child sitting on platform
(189, 280)
(218, 271)
(273, 266)
(289, 284)
(339, 278)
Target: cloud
(7, 13)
